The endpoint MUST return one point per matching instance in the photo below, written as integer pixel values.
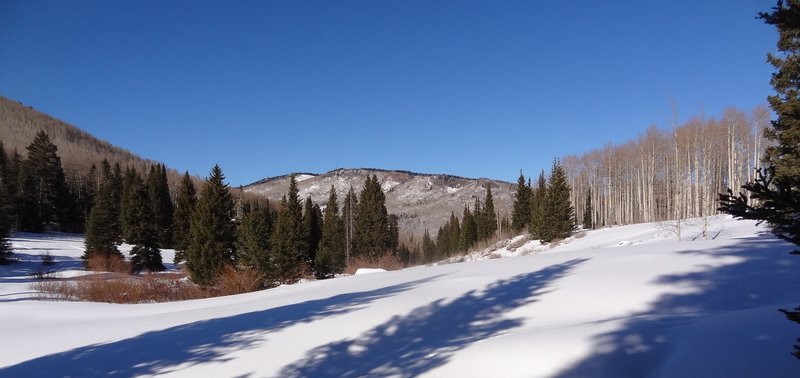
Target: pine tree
(394, 233)
(161, 204)
(587, 212)
(521, 212)
(6, 208)
(776, 190)
(212, 231)
(289, 243)
(184, 207)
(45, 188)
(469, 230)
(312, 227)
(128, 181)
(559, 218)
(428, 247)
(331, 254)
(145, 254)
(252, 241)
(455, 234)
(489, 215)
(537, 205)
(11, 187)
(349, 209)
(102, 227)
(372, 221)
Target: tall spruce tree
(455, 233)
(349, 209)
(331, 254)
(102, 227)
(394, 233)
(469, 230)
(289, 243)
(145, 254)
(252, 241)
(489, 214)
(6, 208)
(776, 190)
(312, 227)
(587, 212)
(428, 247)
(161, 204)
(559, 216)
(372, 221)
(212, 231)
(44, 185)
(182, 219)
(537, 205)
(521, 212)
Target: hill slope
(77, 148)
(420, 200)
(627, 301)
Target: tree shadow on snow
(158, 352)
(409, 345)
(764, 276)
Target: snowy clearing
(627, 301)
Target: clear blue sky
(477, 89)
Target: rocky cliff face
(421, 201)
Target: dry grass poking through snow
(386, 262)
(117, 288)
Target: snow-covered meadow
(626, 301)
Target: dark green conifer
(44, 186)
(455, 234)
(102, 227)
(331, 254)
(145, 254)
(587, 213)
(161, 204)
(252, 241)
(469, 230)
(289, 243)
(428, 247)
(537, 222)
(521, 212)
(559, 216)
(184, 207)
(212, 231)
(349, 209)
(372, 221)
(312, 227)
(6, 208)
(489, 215)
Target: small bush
(114, 288)
(238, 281)
(45, 275)
(108, 263)
(47, 258)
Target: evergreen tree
(394, 233)
(587, 212)
(559, 218)
(428, 247)
(455, 234)
(161, 204)
(372, 221)
(184, 207)
(521, 212)
(252, 241)
(480, 220)
(12, 188)
(489, 215)
(45, 188)
(6, 208)
(537, 205)
(469, 230)
(312, 227)
(128, 181)
(145, 254)
(102, 227)
(349, 209)
(776, 190)
(212, 231)
(289, 243)
(331, 253)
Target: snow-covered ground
(626, 301)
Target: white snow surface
(627, 301)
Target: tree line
(668, 174)
(457, 236)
